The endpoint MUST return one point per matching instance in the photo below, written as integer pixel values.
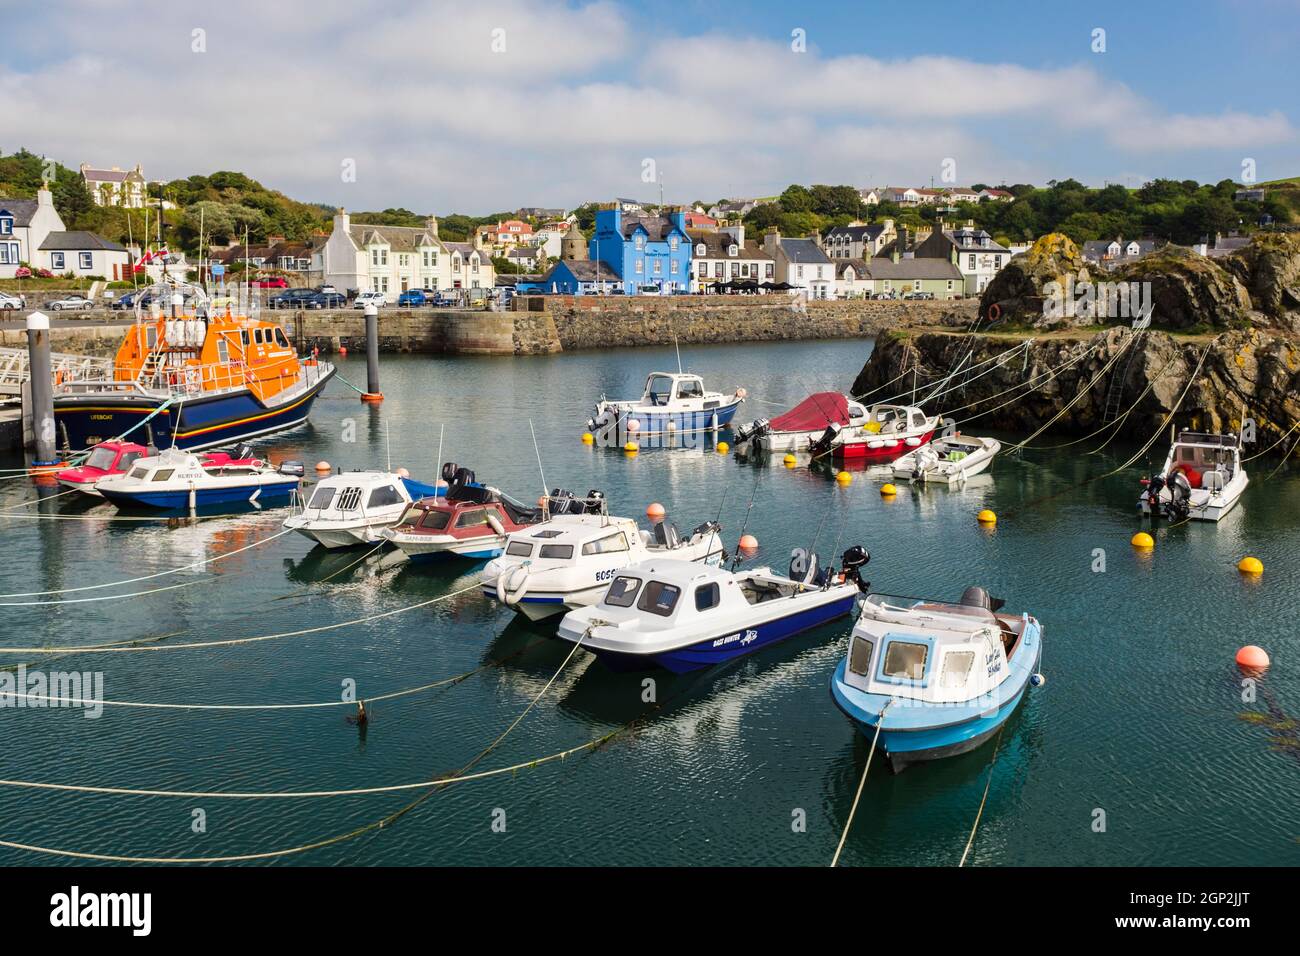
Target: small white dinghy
(569, 561)
(354, 507)
(1202, 479)
(683, 616)
(949, 460)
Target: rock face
(1269, 270)
(1189, 290)
(1248, 371)
(1019, 290)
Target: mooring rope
(880, 722)
(1294, 426)
(1028, 386)
(232, 642)
(145, 577)
(997, 749)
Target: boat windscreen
(659, 598)
(623, 591)
(322, 497)
(101, 458)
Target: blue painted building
(646, 252)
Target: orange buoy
(655, 511)
(323, 466)
(403, 473)
(748, 543)
(343, 350)
(372, 396)
(1253, 657)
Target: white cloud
(436, 120)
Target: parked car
(325, 300)
(649, 289)
(447, 298)
(326, 288)
(9, 301)
(364, 299)
(290, 299)
(75, 301)
(414, 299)
(270, 282)
(918, 295)
(124, 302)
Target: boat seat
(666, 535)
(1213, 481)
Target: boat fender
(495, 523)
(913, 442)
(1037, 680)
(514, 593)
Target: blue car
(414, 299)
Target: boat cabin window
(659, 598)
(860, 656)
(128, 459)
(956, 668)
(623, 591)
(519, 549)
(548, 533)
(561, 551)
(471, 518)
(102, 458)
(690, 388)
(243, 338)
(140, 473)
(606, 545)
(223, 350)
(707, 596)
(435, 520)
(906, 659)
(350, 499)
(383, 496)
(280, 340)
(162, 474)
(918, 419)
(322, 497)
(659, 388)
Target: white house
(387, 259)
(115, 187)
(853, 279)
(802, 263)
(859, 240)
(24, 225)
(1110, 253)
(996, 195)
(871, 197)
(901, 195)
(723, 255)
(85, 254)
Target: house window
(474, 265)
(949, 285)
(673, 267)
(970, 263)
(403, 260)
(639, 270)
(7, 227)
(56, 260)
(9, 253)
(771, 270)
(672, 243)
(733, 249)
(455, 263)
(798, 272)
(659, 266)
(701, 249)
(640, 242)
(86, 260)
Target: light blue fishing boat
(673, 401)
(936, 678)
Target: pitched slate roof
(969, 240)
(584, 270)
(856, 233)
(883, 268)
(658, 227)
(804, 251)
(859, 267)
(400, 238)
(466, 249)
(21, 209)
(716, 245)
(109, 175)
(78, 241)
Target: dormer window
(701, 249)
(672, 243)
(640, 242)
(733, 250)
(6, 226)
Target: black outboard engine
(595, 500)
(294, 468)
(1154, 487)
(1180, 496)
(975, 596)
(750, 430)
(709, 527)
(449, 470)
(243, 450)
(563, 503)
(823, 444)
(853, 561)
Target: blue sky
(475, 108)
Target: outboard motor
(975, 596)
(243, 450)
(1154, 486)
(563, 503)
(709, 527)
(449, 470)
(750, 430)
(295, 468)
(595, 501)
(853, 561)
(666, 535)
(1180, 496)
(823, 444)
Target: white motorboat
(795, 430)
(569, 561)
(1202, 479)
(950, 460)
(672, 401)
(355, 507)
(682, 616)
(929, 679)
(175, 479)
(889, 432)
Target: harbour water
(1140, 730)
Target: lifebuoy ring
(994, 313)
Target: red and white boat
(470, 520)
(106, 458)
(889, 432)
(797, 429)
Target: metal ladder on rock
(1115, 390)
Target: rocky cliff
(1244, 369)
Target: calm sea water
(1141, 716)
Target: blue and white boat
(682, 616)
(179, 480)
(944, 676)
(673, 401)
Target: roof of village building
(858, 266)
(717, 245)
(1097, 249)
(1227, 245)
(79, 241)
(885, 268)
(804, 251)
(401, 238)
(525, 252)
(973, 240)
(857, 232)
(587, 270)
(21, 209)
(109, 175)
(466, 249)
(657, 227)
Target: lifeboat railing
(176, 381)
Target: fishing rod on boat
(538, 452)
(749, 508)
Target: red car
(274, 282)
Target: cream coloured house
(115, 187)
